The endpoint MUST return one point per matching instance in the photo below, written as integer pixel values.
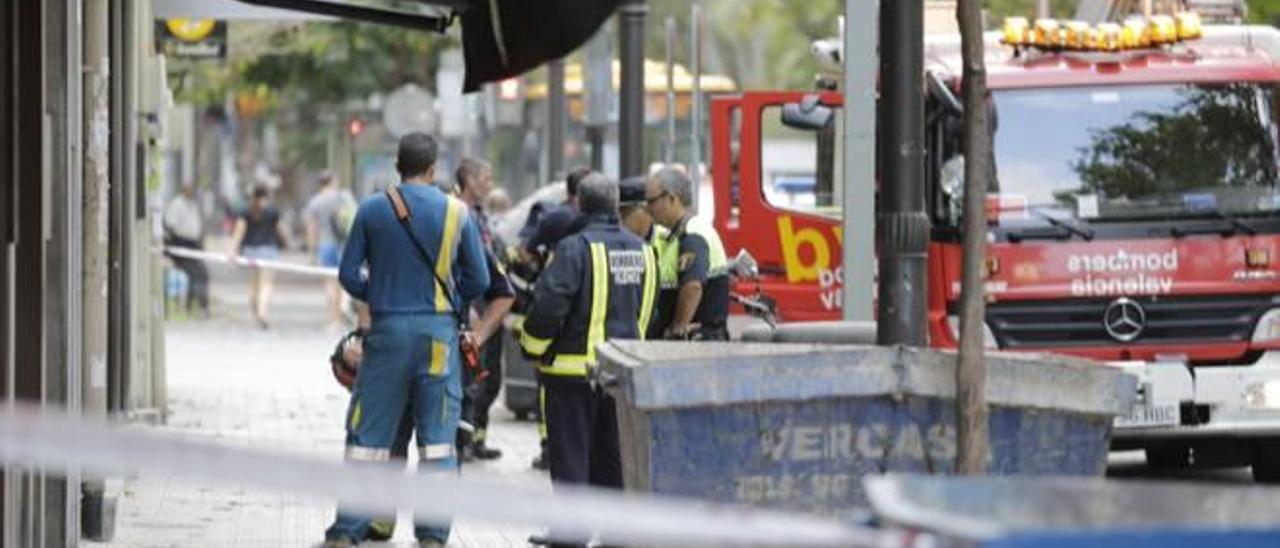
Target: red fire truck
(1134, 218)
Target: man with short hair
(474, 183)
(701, 310)
(411, 355)
(600, 285)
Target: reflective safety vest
(601, 285)
(668, 252)
(717, 262)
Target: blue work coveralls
(411, 357)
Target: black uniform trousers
(477, 400)
(582, 435)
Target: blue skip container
(798, 426)
(996, 512)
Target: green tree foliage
(997, 10)
(331, 63)
(1217, 135)
(761, 44)
(1266, 12)
(316, 63)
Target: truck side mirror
(744, 266)
(808, 114)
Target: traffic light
(355, 127)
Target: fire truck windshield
(1120, 153)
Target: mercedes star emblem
(1124, 319)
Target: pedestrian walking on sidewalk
(600, 285)
(424, 260)
(329, 215)
(259, 234)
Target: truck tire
(1266, 461)
(1169, 457)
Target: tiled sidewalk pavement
(234, 384)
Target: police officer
(411, 354)
(600, 285)
(701, 310)
(636, 218)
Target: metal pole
(8, 132)
(597, 72)
(695, 111)
(1042, 9)
(670, 154)
(115, 210)
(555, 119)
(631, 18)
(29, 179)
(859, 165)
(595, 135)
(903, 224)
(63, 251)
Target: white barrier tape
(282, 266)
(57, 442)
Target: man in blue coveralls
(411, 355)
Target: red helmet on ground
(344, 368)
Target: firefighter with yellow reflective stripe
(411, 357)
(699, 301)
(601, 284)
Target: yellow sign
(792, 239)
(190, 30)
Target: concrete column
(95, 208)
(859, 165)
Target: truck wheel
(1169, 457)
(1266, 461)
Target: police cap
(631, 191)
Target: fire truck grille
(1079, 322)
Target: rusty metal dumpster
(798, 426)
(1039, 512)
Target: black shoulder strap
(403, 214)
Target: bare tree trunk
(971, 375)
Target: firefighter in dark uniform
(540, 239)
(600, 284)
(701, 296)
